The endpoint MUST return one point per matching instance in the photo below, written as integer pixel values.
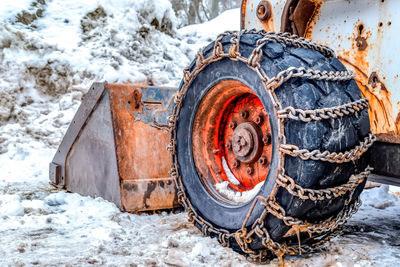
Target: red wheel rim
(231, 142)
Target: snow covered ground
(50, 52)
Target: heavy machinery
(264, 143)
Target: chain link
(332, 157)
(323, 113)
(245, 236)
(294, 72)
(321, 227)
(322, 194)
(327, 227)
(292, 40)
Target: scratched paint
(143, 160)
(364, 35)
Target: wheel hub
(246, 142)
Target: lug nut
(244, 114)
(236, 163)
(266, 140)
(262, 160)
(249, 170)
(232, 125)
(264, 11)
(258, 120)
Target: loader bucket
(115, 148)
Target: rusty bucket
(115, 148)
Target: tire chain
(243, 237)
(322, 194)
(332, 157)
(294, 72)
(324, 113)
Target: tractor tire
(228, 143)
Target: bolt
(262, 160)
(232, 125)
(259, 119)
(264, 10)
(228, 145)
(249, 170)
(236, 163)
(266, 140)
(244, 114)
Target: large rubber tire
(336, 135)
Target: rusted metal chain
(294, 72)
(322, 194)
(321, 227)
(332, 157)
(294, 40)
(327, 228)
(323, 113)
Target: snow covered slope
(50, 52)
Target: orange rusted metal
(143, 160)
(298, 16)
(362, 33)
(359, 51)
(230, 137)
(115, 148)
(382, 118)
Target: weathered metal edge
(89, 103)
(122, 206)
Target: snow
(238, 197)
(10, 8)
(201, 34)
(231, 177)
(46, 65)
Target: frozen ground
(50, 52)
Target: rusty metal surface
(115, 148)
(156, 103)
(363, 33)
(141, 146)
(366, 43)
(288, 6)
(227, 119)
(298, 16)
(149, 194)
